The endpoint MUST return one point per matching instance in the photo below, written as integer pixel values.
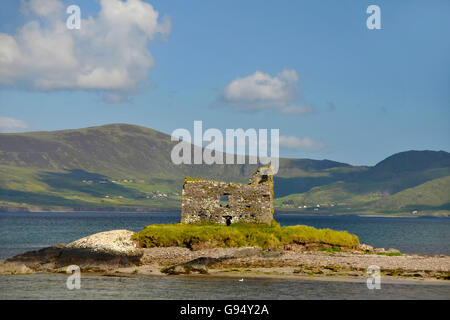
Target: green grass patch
(240, 235)
(330, 250)
(390, 254)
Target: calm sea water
(50, 286)
(20, 232)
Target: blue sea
(21, 232)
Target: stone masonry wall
(227, 203)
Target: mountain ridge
(54, 164)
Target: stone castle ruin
(226, 203)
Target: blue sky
(352, 95)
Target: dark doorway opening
(228, 220)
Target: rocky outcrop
(14, 268)
(212, 258)
(115, 243)
(108, 252)
(307, 263)
(199, 265)
(365, 248)
(100, 251)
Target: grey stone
(365, 248)
(249, 203)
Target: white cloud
(8, 125)
(261, 87)
(109, 53)
(260, 91)
(307, 143)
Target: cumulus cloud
(108, 54)
(261, 91)
(9, 125)
(307, 143)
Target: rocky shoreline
(115, 253)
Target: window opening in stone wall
(224, 201)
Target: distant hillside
(117, 150)
(124, 151)
(127, 167)
(411, 161)
(407, 169)
(430, 195)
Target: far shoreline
(283, 212)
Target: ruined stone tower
(226, 203)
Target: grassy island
(240, 235)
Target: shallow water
(50, 286)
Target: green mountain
(431, 195)
(403, 183)
(127, 167)
(411, 161)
